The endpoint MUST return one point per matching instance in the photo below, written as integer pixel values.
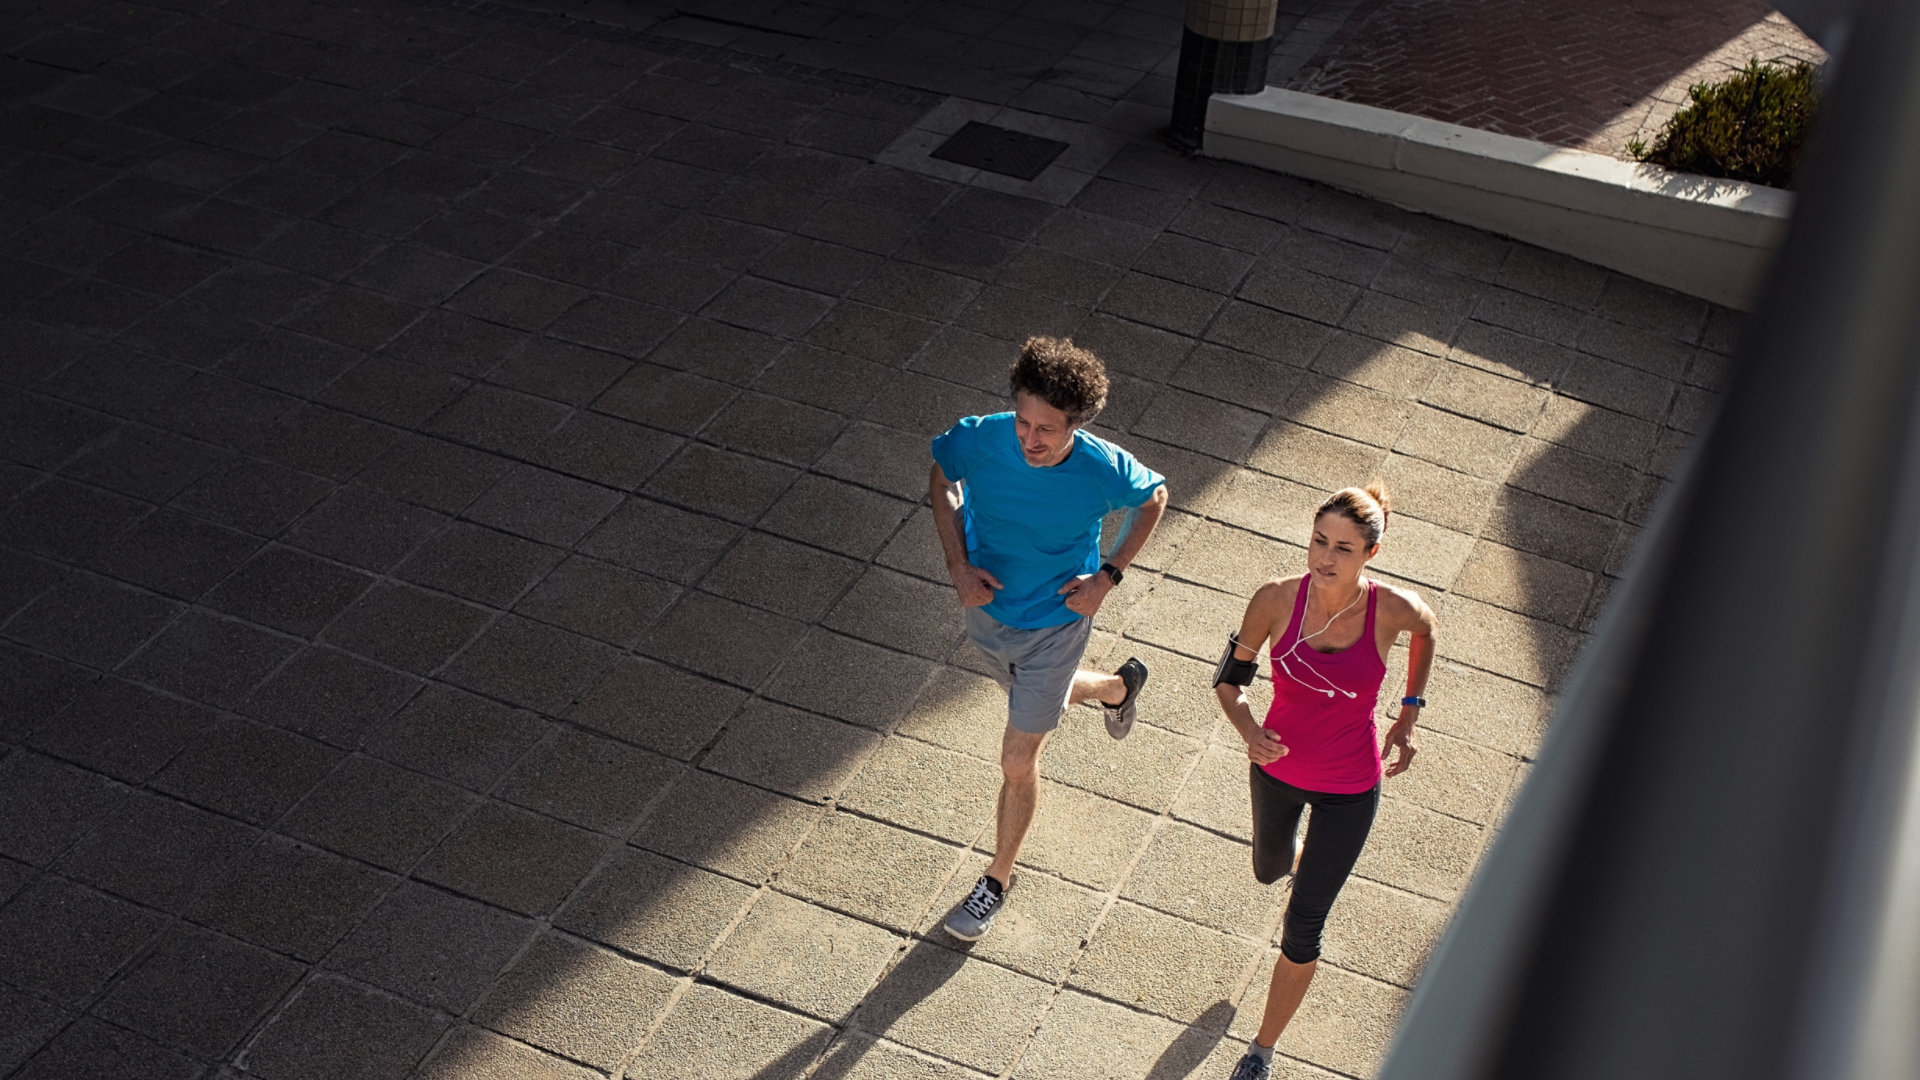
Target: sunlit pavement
(468, 611)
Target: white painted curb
(1708, 238)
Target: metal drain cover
(999, 150)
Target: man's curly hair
(1063, 375)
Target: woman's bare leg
(1284, 994)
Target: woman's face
(1337, 550)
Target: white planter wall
(1708, 238)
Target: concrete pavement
(468, 610)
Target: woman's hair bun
(1367, 507)
(1378, 489)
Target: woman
(1331, 629)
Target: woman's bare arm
(1256, 627)
(1407, 612)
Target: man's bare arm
(974, 585)
(1141, 528)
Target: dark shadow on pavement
(1184, 1053)
(461, 528)
(923, 970)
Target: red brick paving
(1590, 74)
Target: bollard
(1223, 49)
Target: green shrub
(1750, 127)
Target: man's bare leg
(1098, 686)
(1019, 797)
(1020, 773)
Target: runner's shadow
(923, 970)
(1193, 1046)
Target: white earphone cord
(1280, 659)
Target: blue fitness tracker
(1416, 702)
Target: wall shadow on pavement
(752, 419)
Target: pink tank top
(1323, 708)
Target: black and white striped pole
(1224, 49)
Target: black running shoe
(1120, 717)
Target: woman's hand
(1263, 746)
(1400, 736)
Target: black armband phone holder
(1233, 671)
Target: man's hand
(1400, 735)
(1264, 747)
(1085, 592)
(974, 585)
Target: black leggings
(1335, 834)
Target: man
(1018, 499)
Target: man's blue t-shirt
(1033, 528)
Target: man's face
(1045, 436)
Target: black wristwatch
(1113, 572)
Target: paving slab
(477, 1052)
(961, 710)
(850, 680)
(947, 1003)
(1202, 877)
(712, 1033)
(595, 783)
(1420, 850)
(870, 870)
(726, 826)
(1458, 778)
(804, 957)
(793, 752)
(1384, 933)
(576, 1000)
(93, 1048)
(433, 947)
(1165, 965)
(1086, 1033)
(1216, 794)
(335, 1027)
(858, 1056)
(513, 858)
(653, 907)
(291, 898)
(65, 941)
(927, 789)
(657, 707)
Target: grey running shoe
(1120, 717)
(1251, 1067)
(971, 918)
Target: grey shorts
(1036, 666)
